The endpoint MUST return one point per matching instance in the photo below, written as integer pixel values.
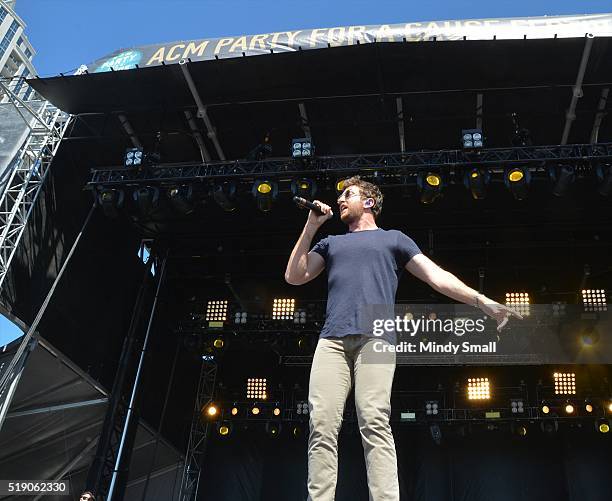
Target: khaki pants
(337, 364)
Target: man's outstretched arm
(304, 266)
(448, 284)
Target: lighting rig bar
(383, 162)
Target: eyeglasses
(346, 195)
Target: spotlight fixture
(302, 148)
(256, 388)
(210, 411)
(283, 309)
(517, 406)
(430, 185)
(111, 202)
(216, 312)
(240, 317)
(273, 429)
(594, 300)
(234, 411)
(276, 411)
(520, 430)
(569, 408)
(477, 180)
(299, 317)
(472, 139)
(588, 406)
(265, 192)
(224, 428)
(478, 389)
(517, 180)
(255, 410)
(181, 199)
(302, 407)
(431, 407)
(225, 196)
(518, 301)
(603, 425)
(305, 188)
(545, 409)
(134, 157)
(604, 176)
(147, 199)
(562, 177)
(218, 343)
(549, 426)
(565, 383)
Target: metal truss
(199, 433)
(391, 163)
(47, 127)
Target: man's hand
(497, 311)
(315, 220)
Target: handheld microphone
(306, 204)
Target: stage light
(604, 176)
(472, 139)
(273, 429)
(302, 148)
(147, 199)
(431, 407)
(255, 410)
(134, 157)
(297, 431)
(569, 408)
(305, 188)
(436, 433)
(224, 428)
(276, 411)
(181, 199)
(603, 425)
(216, 311)
(549, 426)
(210, 411)
(558, 308)
(545, 409)
(565, 383)
(521, 430)
(517, 180)
(562, 177)
(430, 185)
(518, 301)
(111, 202)
(283, 309)
(589, 336)
(594, 300)
(219, 343)
(234, 411)
(265, 192)
(588, 407)
(299, 317)
(477, 180)
(302, 407)
(240, 317)
(517, 406)
(609, 406)
(225, 196)
(257, 388)
(478, 388)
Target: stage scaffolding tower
(200, 428)
(47, 126)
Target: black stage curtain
(572, 465)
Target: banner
(598, 25)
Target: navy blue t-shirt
(363, 268)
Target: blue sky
(67, 33)
(8, 331)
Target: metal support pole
(123, 456)
(304, 120)
(202, 112)
(599, 116)
(577, 90)
(129, 130)
(479, 111)
(206, 158)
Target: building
(16, 52)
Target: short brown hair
(368, 190)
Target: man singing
(363, 267)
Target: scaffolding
(47, 126)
